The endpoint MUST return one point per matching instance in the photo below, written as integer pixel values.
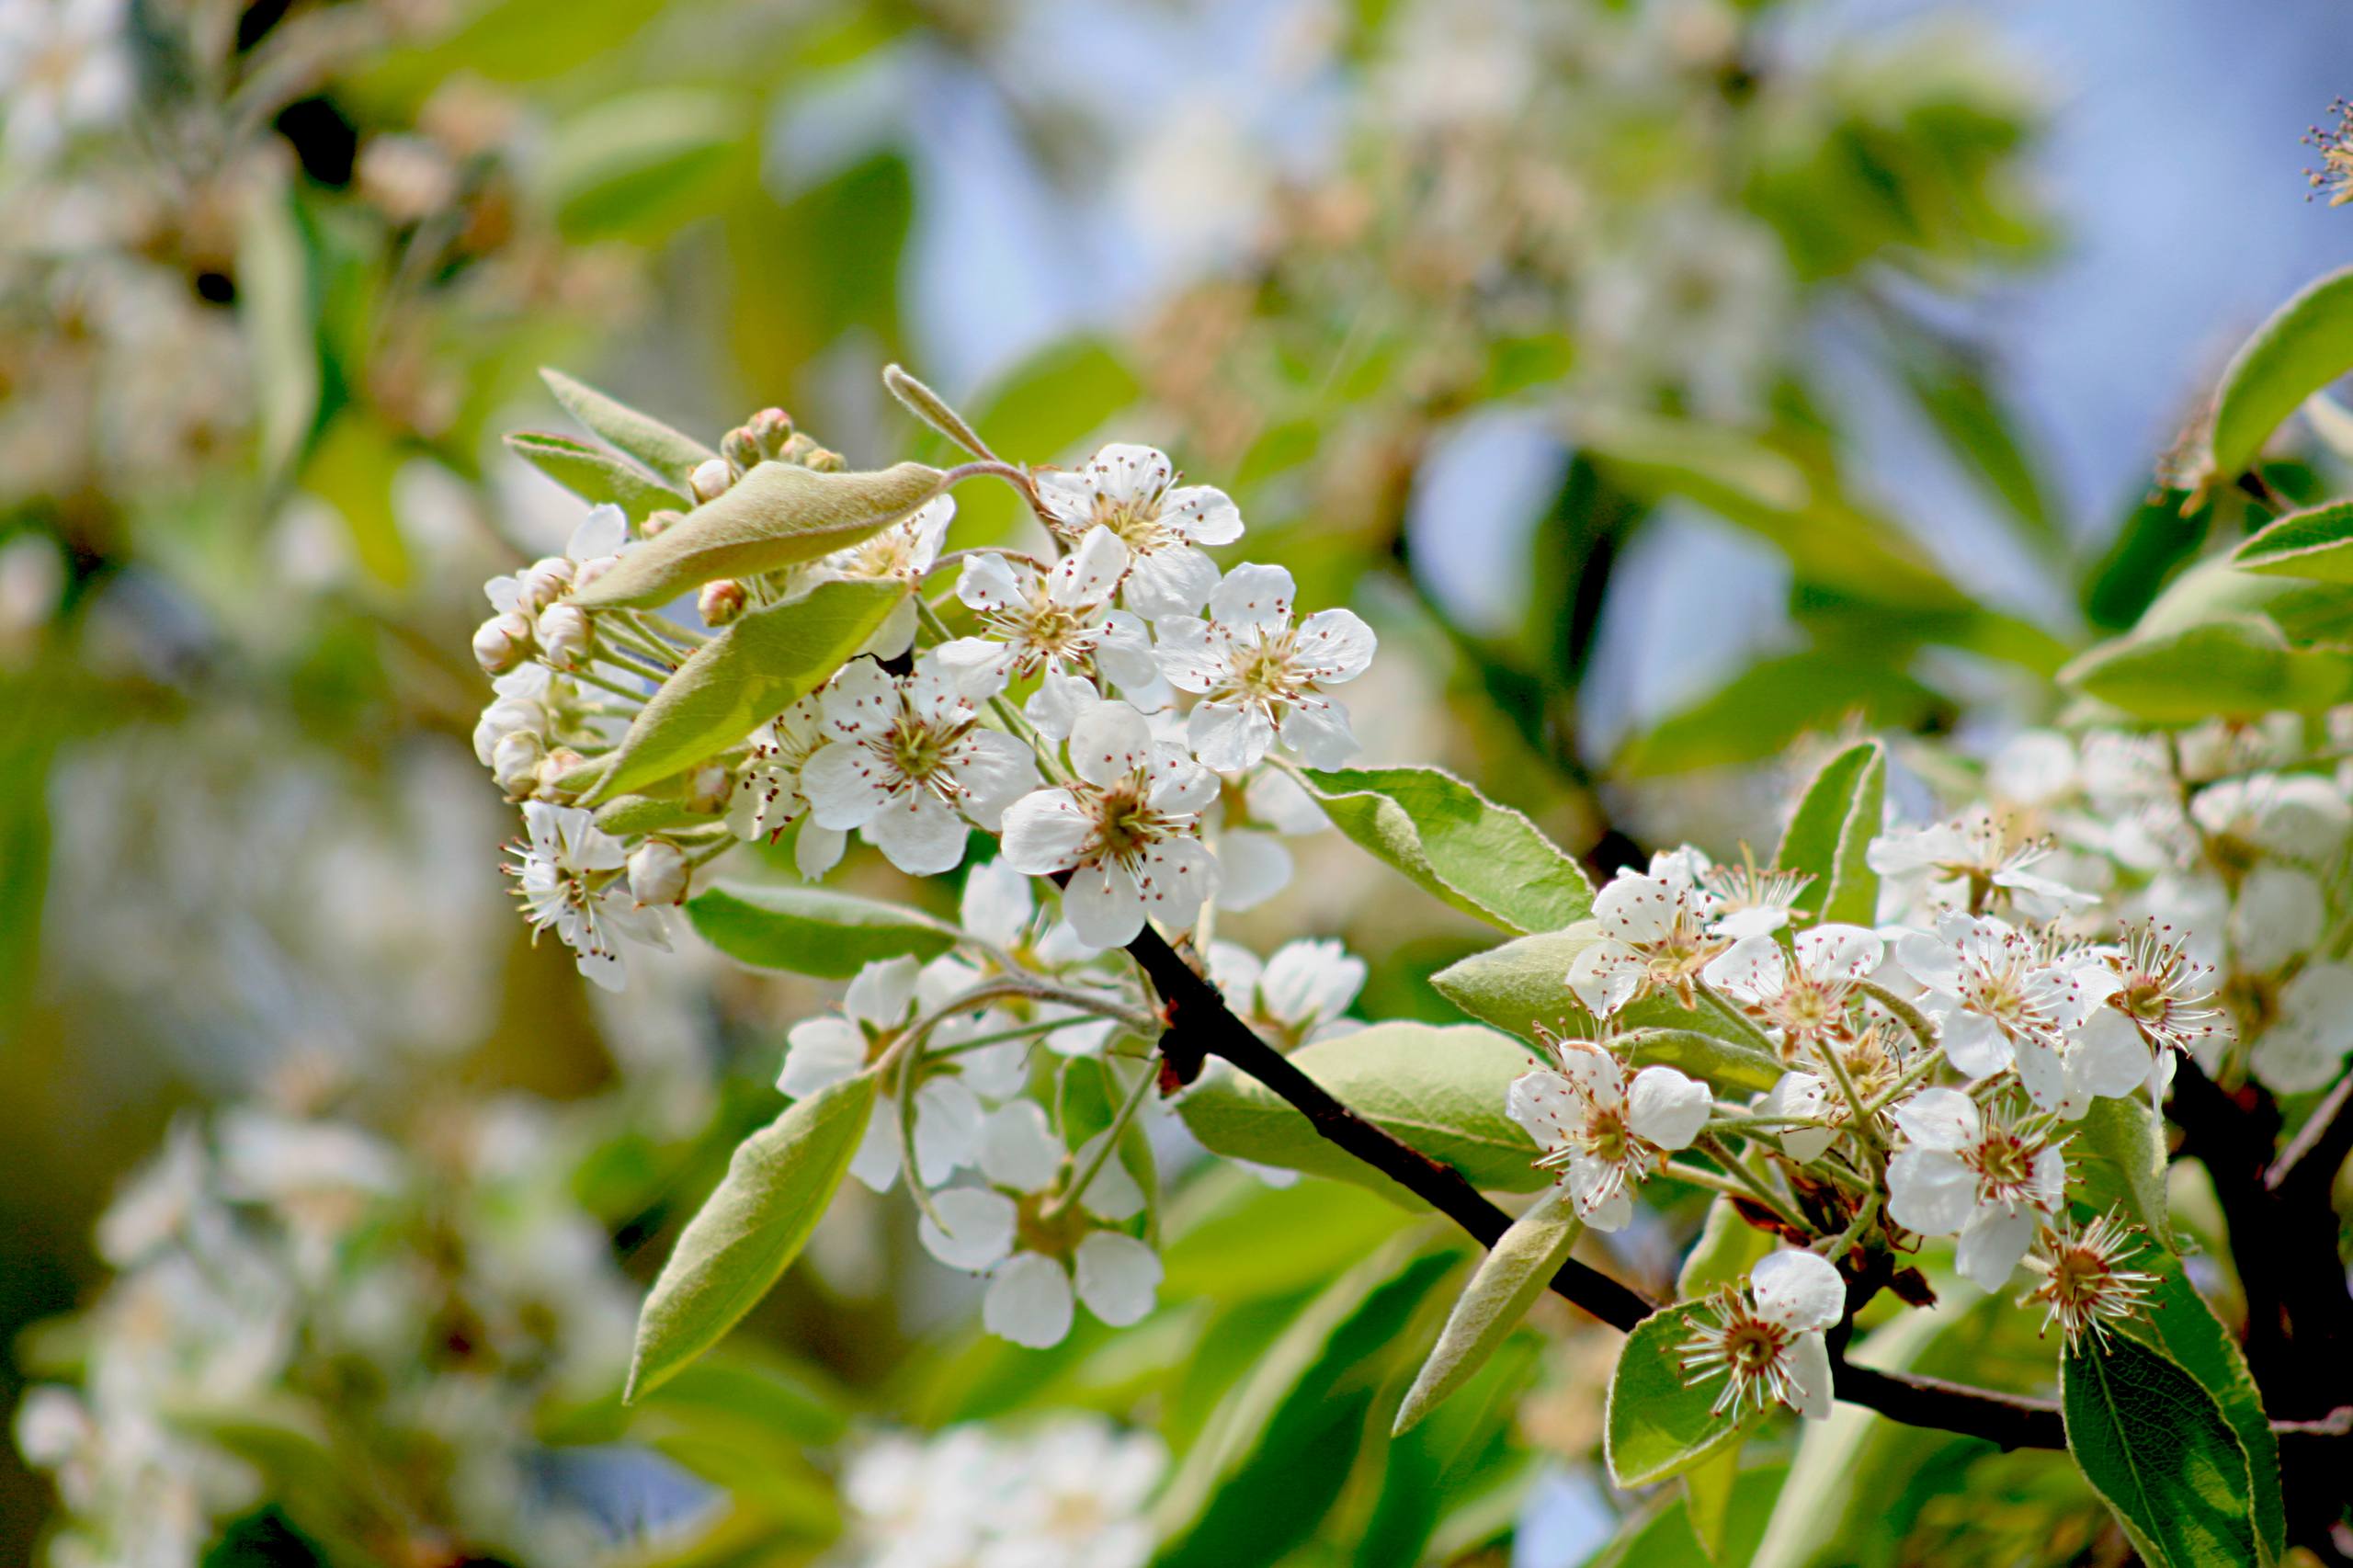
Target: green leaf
(1522, 986)
(1232, 1237)
(2307, 344)
(1278, 1449)
(813, 931)
(277, 307)
(2118, 1155)
(667, 452)
(1832, 829)
(1486, 860)
(742, 678)
(2156, 1448)
(1658, 1423)
(638, 164)
(594, 474)
(1505, 1284)
(1665, 1535)
(777, 515)
(776, 1187)
(1760, 711)
(1726, 1249)
(1706, 1498)
(627, 815)
(2240, 665)
(1441, 1090)
(2317, 543)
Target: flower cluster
(1115, 711)
(1066, 1494)
(1153, 693)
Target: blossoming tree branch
(1916, 1053)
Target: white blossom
(1988, 989)
(1057, 622)
(1074, 1253)
(1802, 1000)
(1965, 1174)
(601, 536)
(2295, 816)
(1969, 858)
(1654, 936)
(569, 877)
(1300, 993)
(767, 796)
(1126, 829)
(64, 68)
(881, 1002)
(1603, 1134)
(1260, 677)
(1126, 489)
(1765, 1341)
(2305, 1046)
(908, 763)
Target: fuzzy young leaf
(2315, 543)
(777, 515)
(1486, 860)
(746, 676)
(813, 931)
(776, 1187)
(1523, 985)
(1659, 1423)
(670, 453)
(2156, 1448)
(627, 815)
(1505, 1284)
(1833, 826)
(2307, 344)
(594, 474)
(932, 409)
(1441, 1090)
(2241, 664)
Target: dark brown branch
(1201, 1025)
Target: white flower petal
(1117, 1277)
(1798, 1290)
(980, 1228)
(1028, 1302)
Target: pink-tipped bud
(657, 523)
(770, 428)
(721, 601)
(658, 872)
(711, 479)
(564, 635)
(502, 643)
(554, 769)
(741, 450)
(592, 568)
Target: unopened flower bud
(563, 635)
(770, 428)
(543, 582)
(592, 568)
(798, 447)
(502, 643)
(711, 788)
(503, 718)
(515, 762)
(721, 601)
(553, 767)
(711, 479)
(823, 460)
(741, 450)
(658, 872)
(660, 522)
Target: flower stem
(1145, 1083)
(1903, 1012)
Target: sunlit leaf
(2305, 344)
(812, 931)
(1487, 860)
(597, 475)
(1827, 838)
(667, 452)
(1507, 1281)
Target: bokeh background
(1672, 381)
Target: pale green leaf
(1441, 1090)
(1707, 1499)
(1522, 987)
(594, 474)
(2240, 665)
(1507, 1281)
(638, 164)
(743, 676)
(776, 1187)
(812, 931)
(2156, 1448)
(1831, 833)
(1665, 1535)
(1487, 860)
(2315, 543)
(2307, 344)
(1658, 1423)
(669, 453)
(629, 815)
(278, 312)
(777, 515)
